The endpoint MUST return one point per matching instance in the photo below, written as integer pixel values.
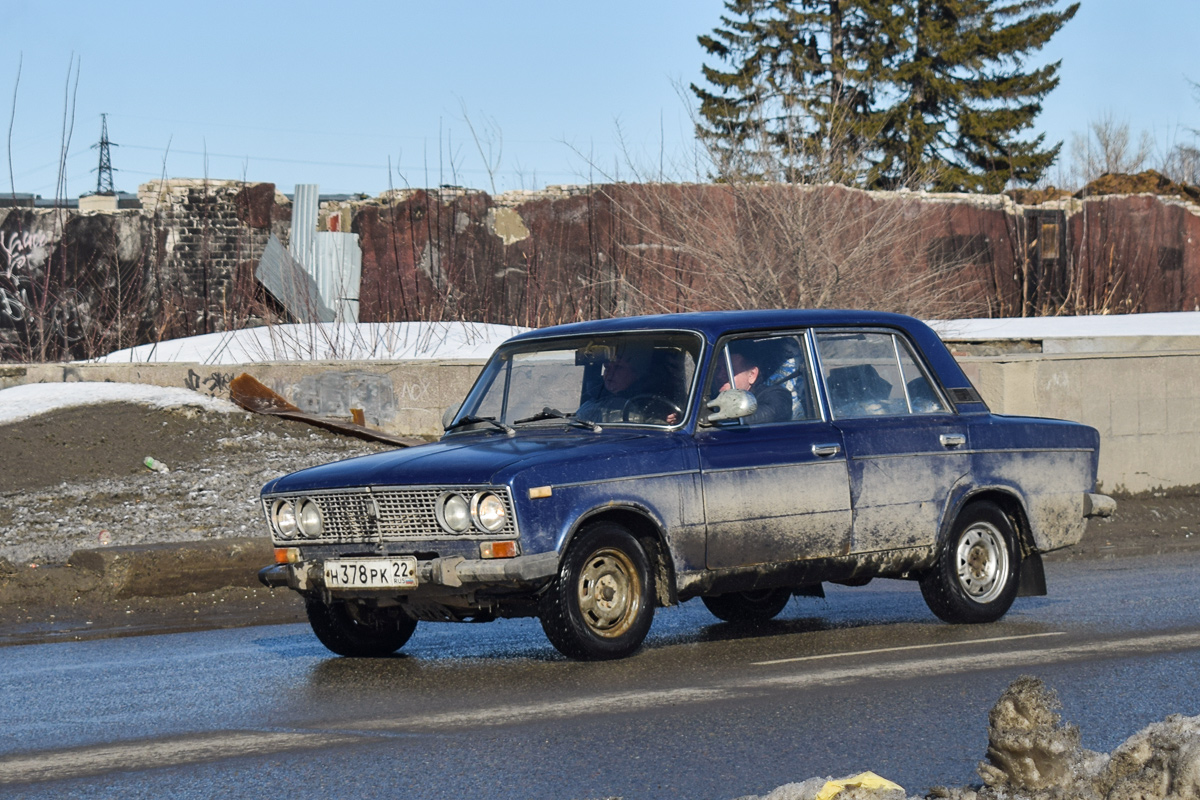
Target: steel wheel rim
(982, 562)
(609, 592)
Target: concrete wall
(1146, 405)
(401, 397)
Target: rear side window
(872, 374)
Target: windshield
(622, 379)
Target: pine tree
(963, 96)
(797, 99)
(885, 94)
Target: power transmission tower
(104, 176)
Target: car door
(905, 447)
(774, 490)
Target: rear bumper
(451, 572)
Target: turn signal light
(498, 549)
(287, 555)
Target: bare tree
(756, 237)
(1108, 147)
(1182, 164)
(1182, 161)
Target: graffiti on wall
(21, 252)
(217, 383)
(18, 249)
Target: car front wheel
(975, 577)
(755, 606)
(601, 604)
(358, 630)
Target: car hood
(469, 459)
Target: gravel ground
(75, 478)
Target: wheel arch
(648, 532)
(1007, 501)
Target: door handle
(826, 450)
(952, 439)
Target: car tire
(601, 603)
(976, 575)
(755, 606)
(358, 630)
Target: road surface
(865, 679)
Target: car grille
(391, 514)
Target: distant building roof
(30, 200)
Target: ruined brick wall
(71, 284)
(628, 249)
(1135, 253)
(209, 236)
(78, 284)
(544, 258)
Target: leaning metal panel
(391, 514)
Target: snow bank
(383, 341)
(1033, 755)
(1179, 323)
(394, 341)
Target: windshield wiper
(554, 413)
(470, 420)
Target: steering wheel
(643, 406)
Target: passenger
(750, 362)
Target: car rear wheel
(756, 606)
(975, 577)
(601, 604)
(358, 630)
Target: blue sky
(562, 92)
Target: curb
(173, 569)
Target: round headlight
(284, 517)
(454, 513)
(488, 511)
(309, 519)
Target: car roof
(714, 324)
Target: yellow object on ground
(865, 780)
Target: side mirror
(731, 404)
(449, 414)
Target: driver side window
(775, 369)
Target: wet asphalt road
(865, 679)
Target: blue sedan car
(599, 470)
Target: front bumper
(450, 572)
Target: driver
(624, 377)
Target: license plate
(371, 573)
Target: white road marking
(906, 647)
(640, 701)
(79, 762)
(66, 764)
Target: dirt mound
(75, 478)
(1148, 182)
(1035, 197)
